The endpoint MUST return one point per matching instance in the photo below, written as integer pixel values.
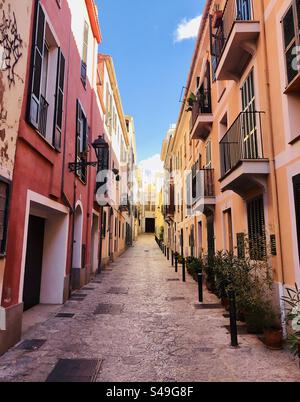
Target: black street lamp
(101, 148)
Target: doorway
(34, 262)
(150, 225)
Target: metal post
(176, 262)
(183, 269)
(172, 254)
(200, 285)
(232, 312)
(165, 251)
(168, 254)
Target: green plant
(193, 265)
(161, 233)
(293, 317)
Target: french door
(250, 148)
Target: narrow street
(151, 332)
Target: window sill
(46, 141)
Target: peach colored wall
(280, 115)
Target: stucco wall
(14, 35)
(15, 18)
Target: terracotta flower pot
(273, 338)
(225, 302)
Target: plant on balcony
(293, 318)
(190, 101)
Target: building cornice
(114, 84)
(94, 19)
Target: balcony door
(248, 121)
(244, 12)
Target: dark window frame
(295, 41)
(37, 44)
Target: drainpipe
(63, 194)
(274, 184)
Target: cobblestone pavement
(153, 337)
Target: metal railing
(201, 106)
(204, 186)
(242, 141)
(44, 105)
(235, 10)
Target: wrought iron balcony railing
(201, 106)
(235, 10)
(203, 185)
(243, 141)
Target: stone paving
(147, 335)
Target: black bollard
(233, 325)
(183, 269)
(176, 262)
(168, 254)
(200, 285)
(172, 254)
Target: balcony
(169, 210)
(204, 191)
(202, 118)
(243, 165)
(234, 40)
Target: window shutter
(37, 66)
(256, 228)
(296, 184)
(78, 129)
(59, 100)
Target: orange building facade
(236, 145)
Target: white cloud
(152, 164)
(151, 170)
(187, 29)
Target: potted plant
(191, 100)
(193, 265)
(273, 334)
(208, 269)
(293, 318)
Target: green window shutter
(36, 68)
(59, 100)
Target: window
(208, 158)
(46, 97)
(256, 229)
(291, 32)
(84, 53)
(81, 141)
(296, 184)
(4, 197)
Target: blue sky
(151, 66)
